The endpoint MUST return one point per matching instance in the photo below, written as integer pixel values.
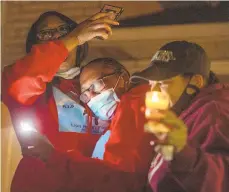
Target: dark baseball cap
(175, 58)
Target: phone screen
(110, 8)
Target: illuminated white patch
(26, 127)
(156, 163)
(164, 56)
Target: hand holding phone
(33, 143)
(110, 8)
(114, 9)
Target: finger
(102, 26)
(158, 142)
(154, 114)
(101, 33)
(112, 15)
(173, 123)
(106, 20)
(167, 151)
(161, 136)
(168, 118)
(170, 114)
(100, 15)
(157, 148)
(155, 127)
(178, 138)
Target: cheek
(171, 92)
(176, 92)
(166, 89)
(110, 82)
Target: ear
(197, 80)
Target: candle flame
(155, 97)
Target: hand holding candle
(157, 100)
(163, 123)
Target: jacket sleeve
(76, 172)
(128, 145)
(72, 172)
(198, 169)
(25, 80)
(124, 169)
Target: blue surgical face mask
(104, 104)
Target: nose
(92, 94)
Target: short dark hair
(108, 62)
(81, 51)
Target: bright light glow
(147, 112)
(157, 100)
(26, 127)
(155, 97)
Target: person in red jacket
(104, 84)
(124, 164)
(196, 126)
(41, 90)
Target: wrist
(70, 42)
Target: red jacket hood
(215, 93)
(203, 164)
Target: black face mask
(185, 99)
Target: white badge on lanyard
(72, 116)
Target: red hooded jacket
(203, 165)
(124, 168)
(128, 153)
(28, 95)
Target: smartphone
(29, 136)
(110, 8)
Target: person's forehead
(89, 75)
(51, 21)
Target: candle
(157, 100)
